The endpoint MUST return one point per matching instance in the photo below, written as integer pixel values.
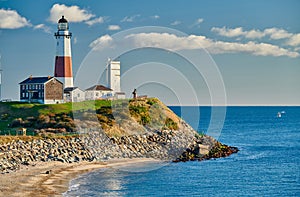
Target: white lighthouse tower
(113, 77)
(63, 59)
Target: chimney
(30, 77)
(49, 76)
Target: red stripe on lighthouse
(63, 66)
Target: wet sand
(53, 178)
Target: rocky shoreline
(167, 145)
(121, 129)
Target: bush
(151, 101)
(145, 120)
(17, 122)
(5, 116)
(170, 124)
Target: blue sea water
(268, 163)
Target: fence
(14, 132)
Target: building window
(78, 95)
(26, 95)
(42, 86)
(97, 94)
(23, 94)
(22, 87)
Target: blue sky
(255, 45)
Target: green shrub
(170, 124)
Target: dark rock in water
(199, 151)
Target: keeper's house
(74, 94)
(97, 92)
(45, 90)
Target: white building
(113, 77)
(74, 94)
(45, 90)
(98, 92)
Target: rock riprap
(167, 145)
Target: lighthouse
(113, 74)
(63, 59)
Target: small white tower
(113, 72)
(63, 59)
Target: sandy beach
(52, 178)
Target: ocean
(268, 163)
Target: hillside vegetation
(116, 118)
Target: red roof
(99, 87)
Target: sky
(184, 52)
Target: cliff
(102, 130)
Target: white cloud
(95, 21)
(254, 34)
(262, 49)
(113, 27)
(130, 18)
(228, 32)
(176, 23)
(43, 27)
(155, 17)
(10, 19)
(272, 33)
(102, 42)
(174, 42)
(294, 40)
(72, 13)
(197, 22)
(277, 34)
(297, 49)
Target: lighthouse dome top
(63, 24)
(62, 20)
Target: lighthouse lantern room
(63, 59)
